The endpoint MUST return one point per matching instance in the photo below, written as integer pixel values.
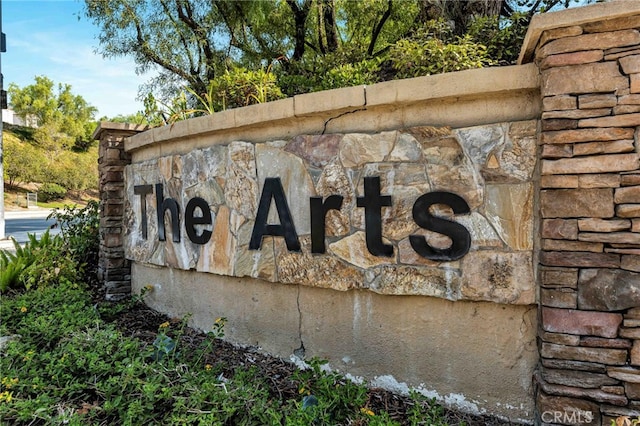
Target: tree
(191, 43)
(22, 162)
(179, 38)
(66, 119)
(34, 101)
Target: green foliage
(22, 162)
(67, 366)
(74, 171)
(63, 118)
(425, 411)
(51, 191)
(31, 160)
(426, 55)
(80, 229)
(11, 267)
(137, 118)
(39, 263)
(327, 72)
(236, 87)
(323, 404)
(503, 37)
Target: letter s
(460, 236)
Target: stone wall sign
(198, 219)
(422, 211)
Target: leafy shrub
(331, 71)
(51, 191)
(11, 267)
(239, 87)
(22, 161)
(236, 87)
(425, 55)
(69, 256)
(72, 170)
(80, 234)
(39, 263)
(502, 36)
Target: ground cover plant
(67, 357)
(66, 363)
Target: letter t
(373, 203)
(143, 191)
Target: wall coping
(118, 127)
(571, 17)
(467, 84)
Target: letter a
(273, 190)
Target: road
(19, 224)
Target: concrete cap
(570, 17)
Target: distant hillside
(42, 159)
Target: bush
(75, 171)
(80, 235)
(327, 72)
(22, 161)
(425, 55)
(48, 261)
(51, 191)
(503, 37)
(39, 263)
(239, 87)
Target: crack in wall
(299, 352)
(364, 108)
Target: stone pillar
(114, 270)
(589, 263)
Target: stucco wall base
(448, 350)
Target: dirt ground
(142, 323)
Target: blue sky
(46, 38)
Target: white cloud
(111, 85)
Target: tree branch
(300, 18)
(204, 44)
(192, 65)
(143, 45)
(378, 28)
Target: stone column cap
(128, 128)
(570, 17)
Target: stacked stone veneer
(590, 222)
(491, 167)
(114, 270)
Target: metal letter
(162, 206)
(319, 211)
(190, 220)
(373, 203)
(460, 237)
(273, 190)
(143, 191)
